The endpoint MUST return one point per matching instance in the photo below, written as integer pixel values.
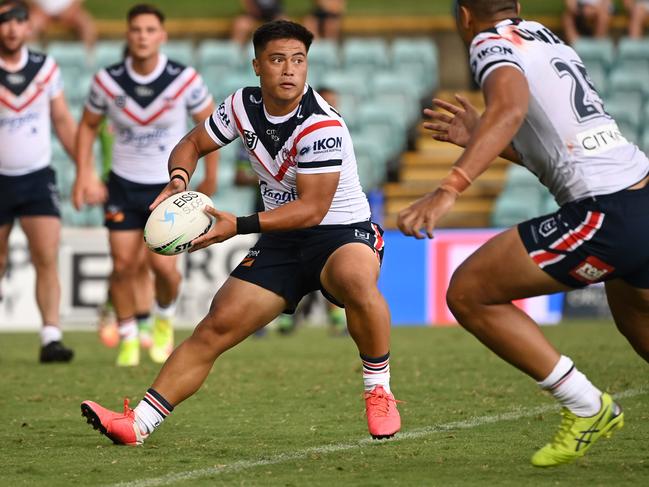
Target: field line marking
(474, 422)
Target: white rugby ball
(175, 222)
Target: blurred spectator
(254, 12)
(590, 18)
(326, 19)
(69, 13)
(638, 12)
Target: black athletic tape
(248, 224)
(178, 176)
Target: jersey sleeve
(320, 148)
(491, 52)
(220, 125)
(55, 86)
(97, 101)
(197, 96)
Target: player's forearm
(66, 131)
(291, 216)
(211, 162)
(492, 138)
(86, 136)
(184, 155)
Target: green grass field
(228, 8)
(288, 412)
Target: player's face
(145, 36)
(14, 29)
(282, 68)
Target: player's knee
(124, 269)
(461, 298)
(357, 290)
(215, 330)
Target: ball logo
(169, 217)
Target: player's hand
(455, 128)
(224, 228)
(424, 213)
(207, 186)
(174, 186)
(88, 190)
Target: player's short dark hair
(15, 3)
(281, 29)
(145, 8)
(489, 8)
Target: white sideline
(174, 478)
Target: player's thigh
(630, 308)
(125, 249)
(162, 264)
(44, 235)
(352, 270)
(501, 271)
(241, 307)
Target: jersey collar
(148, 78)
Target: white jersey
(567, 139)
(149, 114)
(313, 139)
(25, 122)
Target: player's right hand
(88, 190)
(455, 128)
(175, 186)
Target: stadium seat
(323, 57)
(393, 88)
(595, 52)
(232, 82)
(633, 53)
(627, 114)
(371, 159)
(107, 53)
(235, 199)
(599, 78)
(224, 55)
(420, 59)
(73, 63)
(516, 205)
(365, 55)
(627, 82)
(346, 83)
(519, 177)
(180, 51)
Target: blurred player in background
(316, 234)
(638, 13)
(255, 12)
(590, 18)
(543, 112)
(326, 18)
(31, 104)
(69, 13)
(147, 98)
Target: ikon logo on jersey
(223, 115)
(327, 145)
(251, 139)
(491, 50)
(591, 270)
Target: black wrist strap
(179, 176)
(178, 168)
(248, 224)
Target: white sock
(128, 329)
(151, 411)
(50, 333)
(164, 312)
(572, 389)
(376, 372)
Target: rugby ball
(175, 222)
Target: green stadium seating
(180, 51)
(371, 159)
(628, 82)
(346, 83)
(516, 205)
(395, 89)
(107, 53)
(633, 50)
(225, 55)
(323, 57)
(418, 58)
(595, 52)
(365, 55)
(627, 114)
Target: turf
(271, 399)
(296, 8)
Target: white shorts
(54, 7)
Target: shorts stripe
(379, 242)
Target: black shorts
(33, 194)
(128, 203)
(592, 240)
(289, 263)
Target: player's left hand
(224, 228)
(424, 213)
(207, 186)
(174, 186)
